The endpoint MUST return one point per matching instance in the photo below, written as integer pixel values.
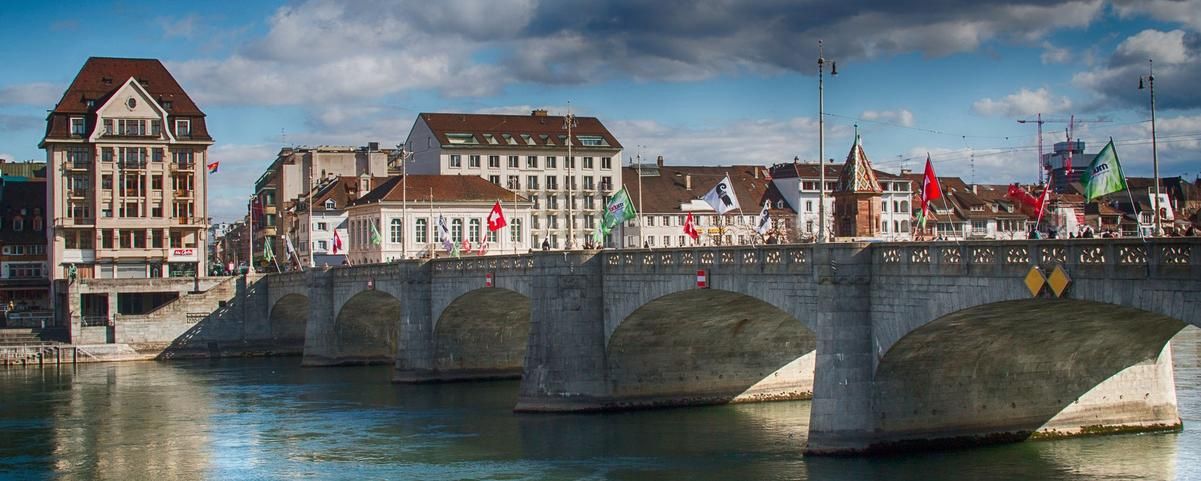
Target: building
(295, 172)
(798, 183)
(377, 221)
(314, 234)
(857, 196)
(664, 196)
(126, 150)
(528, 154)
(896, 213)
(22, 170)
(24, 281)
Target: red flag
(930, 188)
(337, 242)
(1042, 202)
(690, 229)
(496, 218)
(466, 246)
(212, 166)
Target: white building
(313, 235)
(528, 154)
(896, 214)
(463, 201)
(798, 183)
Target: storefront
(182, 262)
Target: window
(552, 182)
(884, 206)
(156, 211)
(322, 245)
(570, 161)
(460, 138)
(592, 140)
(650, 241)
(456, 229)
(183, 128)
(330, 204)
(322, 226)
(25, 270)
(108, 127)
(552, 221)
(106, 154)
(531, 162)
(421, 231)
(156, 127)
(515, 230)
(808, 206)
(394, 231)
(77, 127)
(473, 230)
(493, 161)
(495, 179)
(514, 182)
(18, 224)
(513, 161)
(551, 162)
(531, 182)
(589, 202)
(552, 202)
(606, 163)
(606, 183)
(156, 155)
(473, 161)
(588, 162)
(588, 184)
(456, 160)
(650, 221)
(589, 221)
(131, 127)
(980, 226)
(156, 239)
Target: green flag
(1103, 175)
(618, 210)
(268, 255)
(375, 237)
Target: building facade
(377, 222)
(857, 196)
(126, 150)
(530, 155)
(24, 270)
(798, 182)
(318, 231)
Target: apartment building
(562, 164)
(24, 285)
(126, 149)
(316, 232)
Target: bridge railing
(778, 258)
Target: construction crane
(1070, 121)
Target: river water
(269, 419)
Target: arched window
(515, 230)
(904, 226)
(394, 231)
(473, 230)
(456, 230)
(904, 206)
(419, 233)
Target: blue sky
(698, 82)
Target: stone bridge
(899, 345)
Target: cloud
(1177, 59)
(185, 27)
(902, 117)
(1184, 12)
(1022, 102)
(1178, 143)
(1052, 54)
(37, 93)
(240, 166)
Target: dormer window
(167, 104)
(78, 127)
(592, 140)
(91, 103)
(977, 208)
(330, 204)
(183, 128)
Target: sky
(698, 82)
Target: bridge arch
(288, 320)
(1015, 369)
(482, 334)
(366, 328)
(708, 346)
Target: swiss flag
(930, 188)
(690, 228)
(337, 242)
(496, 218)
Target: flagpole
(250, 237)
(309, 246)
(641, 226)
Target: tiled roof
(857, 174)
(803, 170)
(100, 77)
(343, 190)
(519, 131)
(444, 188)
(664, 193)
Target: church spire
(857, 174)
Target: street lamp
(1154, 147)
(405, 155)
(821, 140)
(569, 122)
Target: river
(269, 419)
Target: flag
(444, 235)
(690, 228)
(375, 237)
(268, 255)
(722, 197)
(213, 167)
(454, 250)
(466, 246)
(1103, 175)
(483, 249)
(288, 246)
(764, 219)
(930, 190)
(337, 242)
(1042, 202)
(496, 218)
(619, 209)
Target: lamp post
(404, 200)
(821, 140)
(1154, 146)
(569, 123)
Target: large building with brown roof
(528, 154)
(126, 150)
(463, 202)
(664, 195)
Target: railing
(136, 164)
(29, 319)
(183, 165)
(94, 321)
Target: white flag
(764, 220)
(722, 197)
(444, 234)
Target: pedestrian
(545, 244)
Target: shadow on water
(270, 419)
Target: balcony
(605, 187)
(80, 193)
(268, 209)
(182, 193)
(132, 164)
(182, 166)
(74, 221)
(77, 165)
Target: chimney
(974, 190)
(659, 161)
(906, 171)
(756, 169)
(538, 113)
(372, 146)
(687, 182)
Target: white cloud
(1177, 56)
(901, 117)
(230, 187)
(185, 27)
(1184, 12)
(1165, 47)
(1052, 54)
(1022, 102)
(37, 93)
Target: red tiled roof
(664, 193)
(802, 170)
(100, 77)
(515, 125)
(444, 188)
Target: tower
(857, 196)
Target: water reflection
(269, 419)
